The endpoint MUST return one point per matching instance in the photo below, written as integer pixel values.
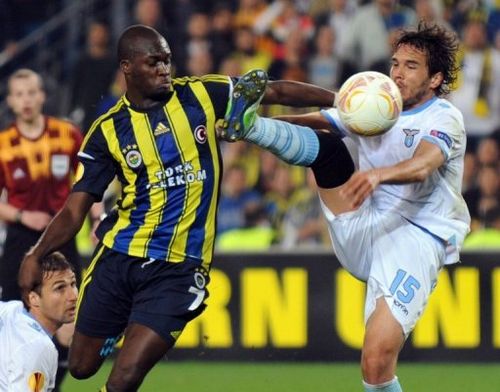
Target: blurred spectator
(338, 17)
(477, 92)
(291, 64)
(487, 237)
(93, 75)
(303, 224)
(116, 90)
(236, 198)
(200, 62)
(281, 197)
(150, 13)
(230, 66)
(323, 66)
(489, 194)
(247, 156)
(289, 20)
(197, 45)
(248, 11)
(221, 35)
(369, 36)
(488, 152)
(256, 15)
(431, 11)
(256, 234)
(470, 172)
(246, 52)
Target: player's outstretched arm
(427, 158)
(63, 227)
(297, 94)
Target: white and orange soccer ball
(369, 103)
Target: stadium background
(287, 318)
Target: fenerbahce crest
(132, 156)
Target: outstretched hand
(359, 187)
(30, 274)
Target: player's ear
(436, 80)
(33, 299)
(125, 66)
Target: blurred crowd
(265, 203)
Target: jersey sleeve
(33, 367)
(332, 115)
(96, 167)
(219, 89)
(447, 131)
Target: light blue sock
(292, 143)
(389, 386)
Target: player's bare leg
(141, 350)
(383, 340)
(85, 355)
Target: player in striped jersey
(149, 274)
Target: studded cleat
(242, 108)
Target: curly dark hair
(441, 45)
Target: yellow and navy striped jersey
(168, 161)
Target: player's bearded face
(410, 72)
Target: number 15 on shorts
(403, 286)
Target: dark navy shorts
(119, 289)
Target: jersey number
(200, 295)
(404, 286)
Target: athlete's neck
(50, 326)
(33, 128)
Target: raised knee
(81, 371)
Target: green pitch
(299, 377)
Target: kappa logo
(161, 129)
(410, 136)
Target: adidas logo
(18, 173)
(160, 129)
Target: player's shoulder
(443, 107)
(8, 308)
(116, 112)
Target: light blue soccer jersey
(435, 204)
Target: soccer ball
(369, 103)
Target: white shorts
(397, 259)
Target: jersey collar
(420, 108)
